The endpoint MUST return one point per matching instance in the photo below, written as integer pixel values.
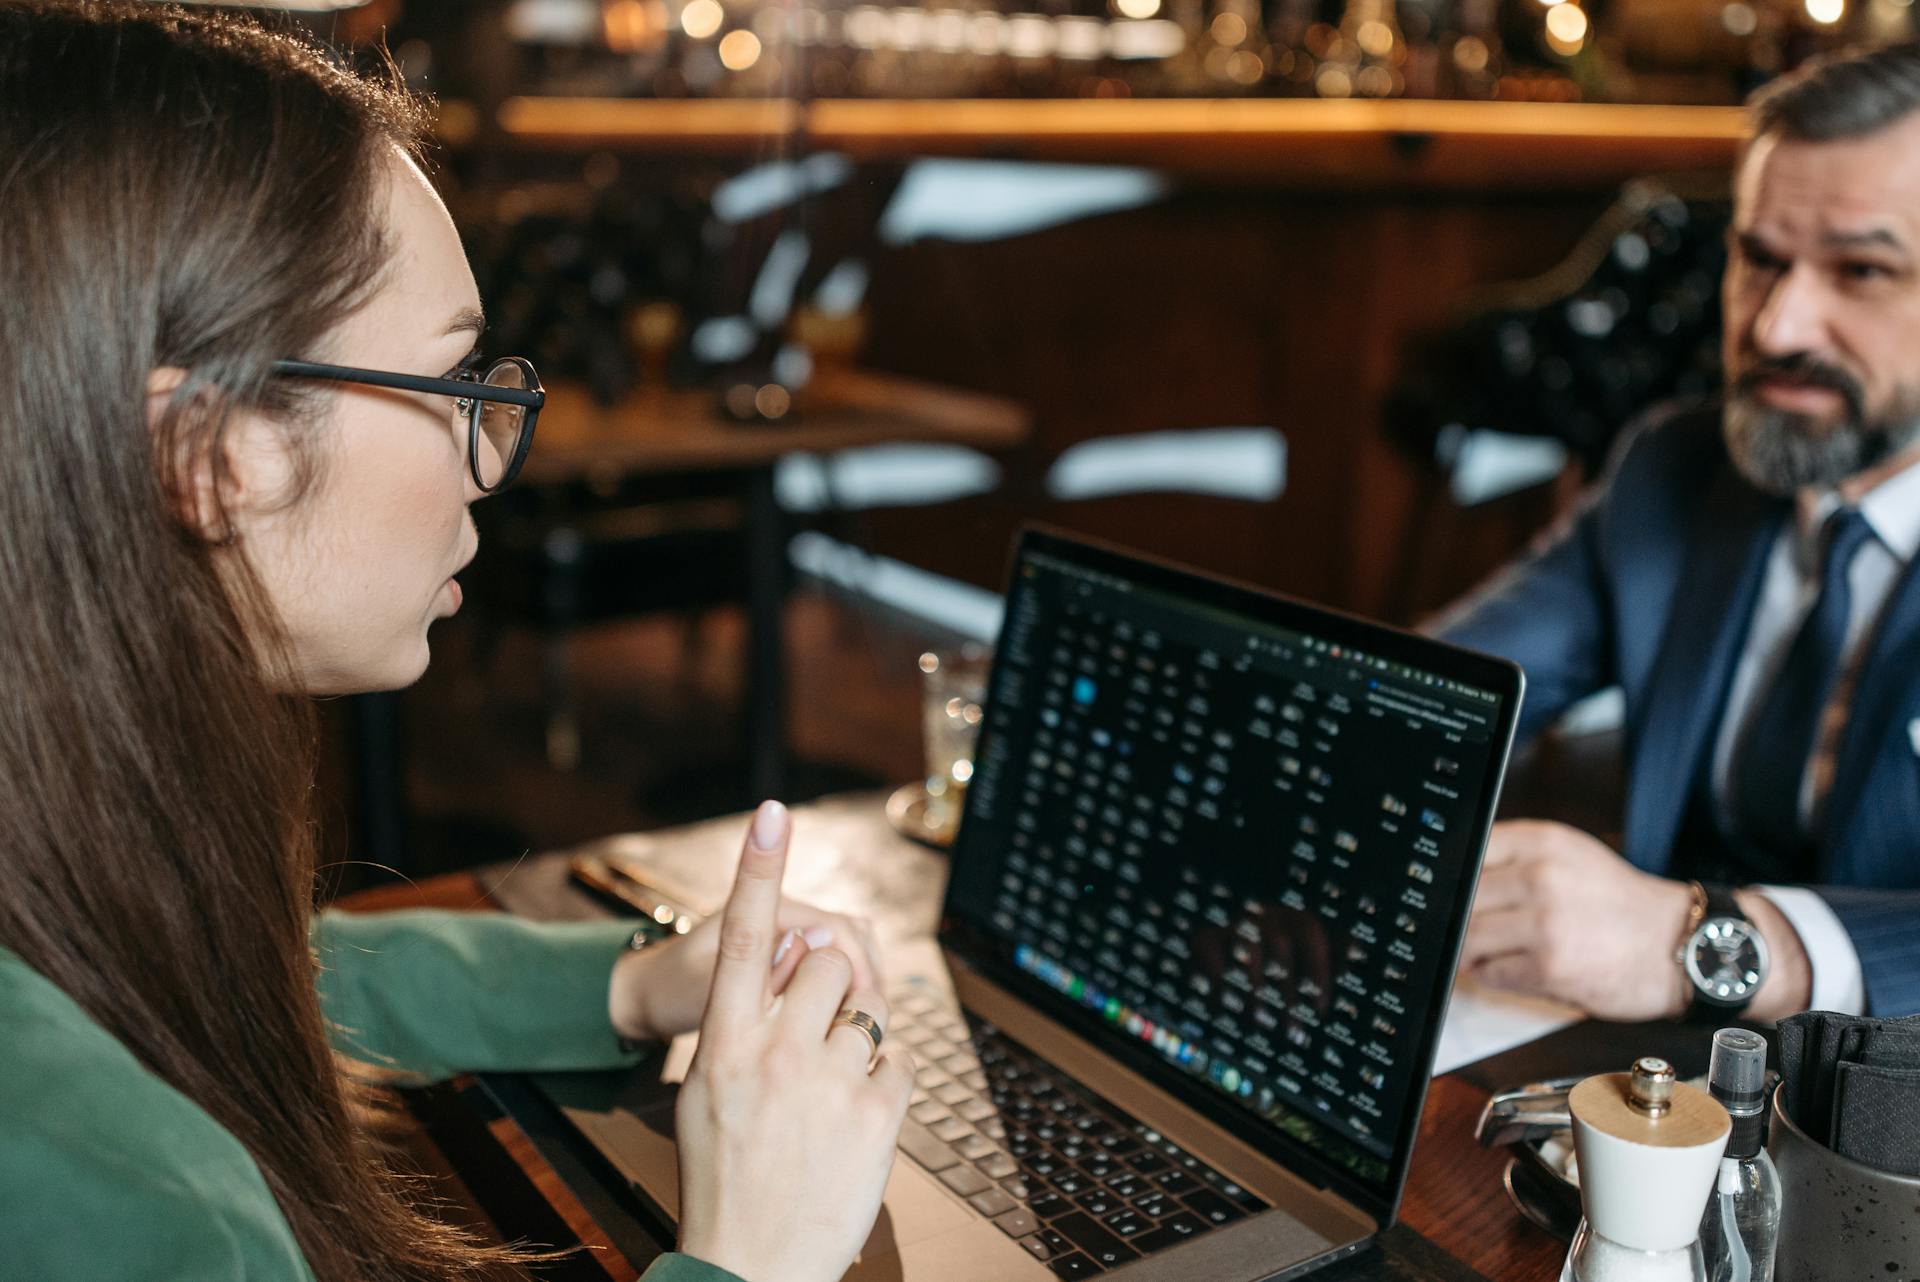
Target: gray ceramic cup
(1840, 1221)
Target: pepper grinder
(1649, 1148)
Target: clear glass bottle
(1742, 1219)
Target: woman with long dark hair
(240, 427)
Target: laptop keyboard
(1074, 1180)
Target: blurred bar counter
(1398, 144)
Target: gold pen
(616, 882)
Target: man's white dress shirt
(1787, 596)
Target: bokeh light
(702, 18)
(739, 50)
(1566, 28)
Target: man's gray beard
(1781, 452)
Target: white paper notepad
(1484, 1021)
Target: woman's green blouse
(108, 1172)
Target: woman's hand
(660, 992)
(787, 1119)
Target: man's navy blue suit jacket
(1650, 586)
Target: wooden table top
(1456, 1223)
(666, 429)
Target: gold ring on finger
(864, 1022)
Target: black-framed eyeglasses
(501, 401)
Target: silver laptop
(1202, 918)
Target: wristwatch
(1722, 957)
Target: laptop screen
(1232, 840)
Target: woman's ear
(194, 475)
(221, 479)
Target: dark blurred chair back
(1539, 374)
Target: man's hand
(1560, 915)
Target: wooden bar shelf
(1478, 147)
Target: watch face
(1726, 961)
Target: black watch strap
(1720, 903)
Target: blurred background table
(665, 430)
(672, 429)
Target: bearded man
(1745, 574)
